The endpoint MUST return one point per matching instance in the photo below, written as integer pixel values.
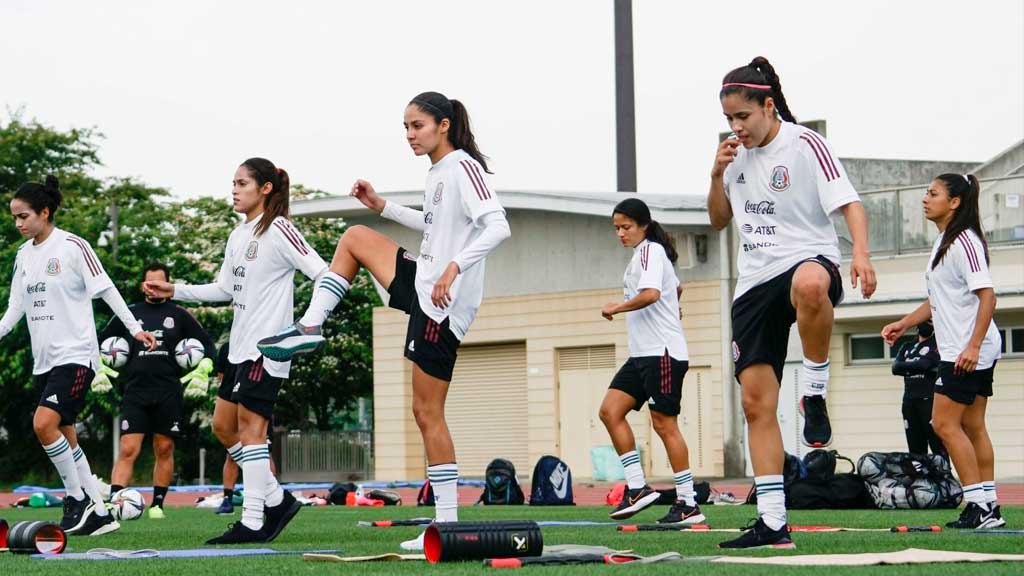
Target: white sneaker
(414, 545)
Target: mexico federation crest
(780, 178)
(168, 322)
(251, 250)
(53, 267)
(438, 191)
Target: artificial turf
(335, 528)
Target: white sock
(329, 290)
(88, 482)
(60, 454)
(976, 493)
(445, 479)
(990, 492)
(771, 500)
(275, 494)
(814, 378)
(236, 452)
(634, 473)
(255, 474)
(684, 487)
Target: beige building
(534, 367)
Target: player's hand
(893, 331)
(862, 271)
(101, 382)
(158, 289)
(197, 382)
(967, 361)
(441, 296)
(727, 152)
(148, 339)
(609, 310)
(364, 192)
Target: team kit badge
(53, 267)
(780, 179)
(251, 250)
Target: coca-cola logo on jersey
(763, 207)
(36, 288)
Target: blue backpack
(551, 483)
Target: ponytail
(42, 196)
(276, 203)
(637, 210)
(460, 133)
(966, 217)
(757, 81)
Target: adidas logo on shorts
(52, 398)
(175, 428)
(412, 345)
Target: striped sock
(236, 452)
(976, 493)
(60, 454)
(275, 494)
(255, 473)
(330, 289)
(88, 480)
(990, 492)
(814, 378)
(445, 479)
(684, 487)
(771, 500)
(634, 472)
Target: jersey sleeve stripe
(90, 260)
(824, 151)
(972, 254)
(478, 185)
(821, 162)
(480, 178)
(293, 238)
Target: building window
(1012, 341)
(870, 348)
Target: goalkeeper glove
(101, 383)
(197, 382)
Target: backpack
(551, 484)
(338, 494)
(821, 464)
(501, 485)
(426, 495)
(904, 480)
(793, 469)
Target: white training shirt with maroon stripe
(257, 276)
(654, 328)
(56, 282)
(951, 287)
(782, 195)
(457, 196)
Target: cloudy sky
(183, 91)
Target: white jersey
(782, 195)
(455, 200)
(654, 328)
(257, 276)
(54, 284)
(951, 287)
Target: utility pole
(625, 100)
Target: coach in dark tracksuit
(152, 395)
(918, 363)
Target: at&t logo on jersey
(763, 230)
(53, 267)
(780, 179)
(438, 191)
(251, 250)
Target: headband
(443, 113)
(967, 178)
(745, 85)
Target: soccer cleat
(414, 545)
(295, 339)
(680, 513)
(76, 512)
(634, 501)
(96, 525)
(277, 517)
(759, 535)
(156, 513)
(817, 429)
(226, 507)
(239, 533)
(973, 516)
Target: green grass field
(335, 527)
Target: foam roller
(454, 541)
(36, 538)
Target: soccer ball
(189, 352)
(128, 504)
(114, 351)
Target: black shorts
(762, 317)
(227, 383)
(431, 346)
(656, 380)
(63, 390)
(152, 410)
(962, 388)
(252, 387)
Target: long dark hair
(965, 217)
(276, 203)
(460, 134)
(40, 196)
(637, 209)
(748, 81)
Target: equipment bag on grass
(501, 485)
(904, 480)
(426, 495)
(551, 483)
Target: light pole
(625, 100)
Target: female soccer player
(658, 360)
(56, 277)
(260, 261)
(781, 182)
(441, 289)
(961, 303)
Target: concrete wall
(872, 174)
